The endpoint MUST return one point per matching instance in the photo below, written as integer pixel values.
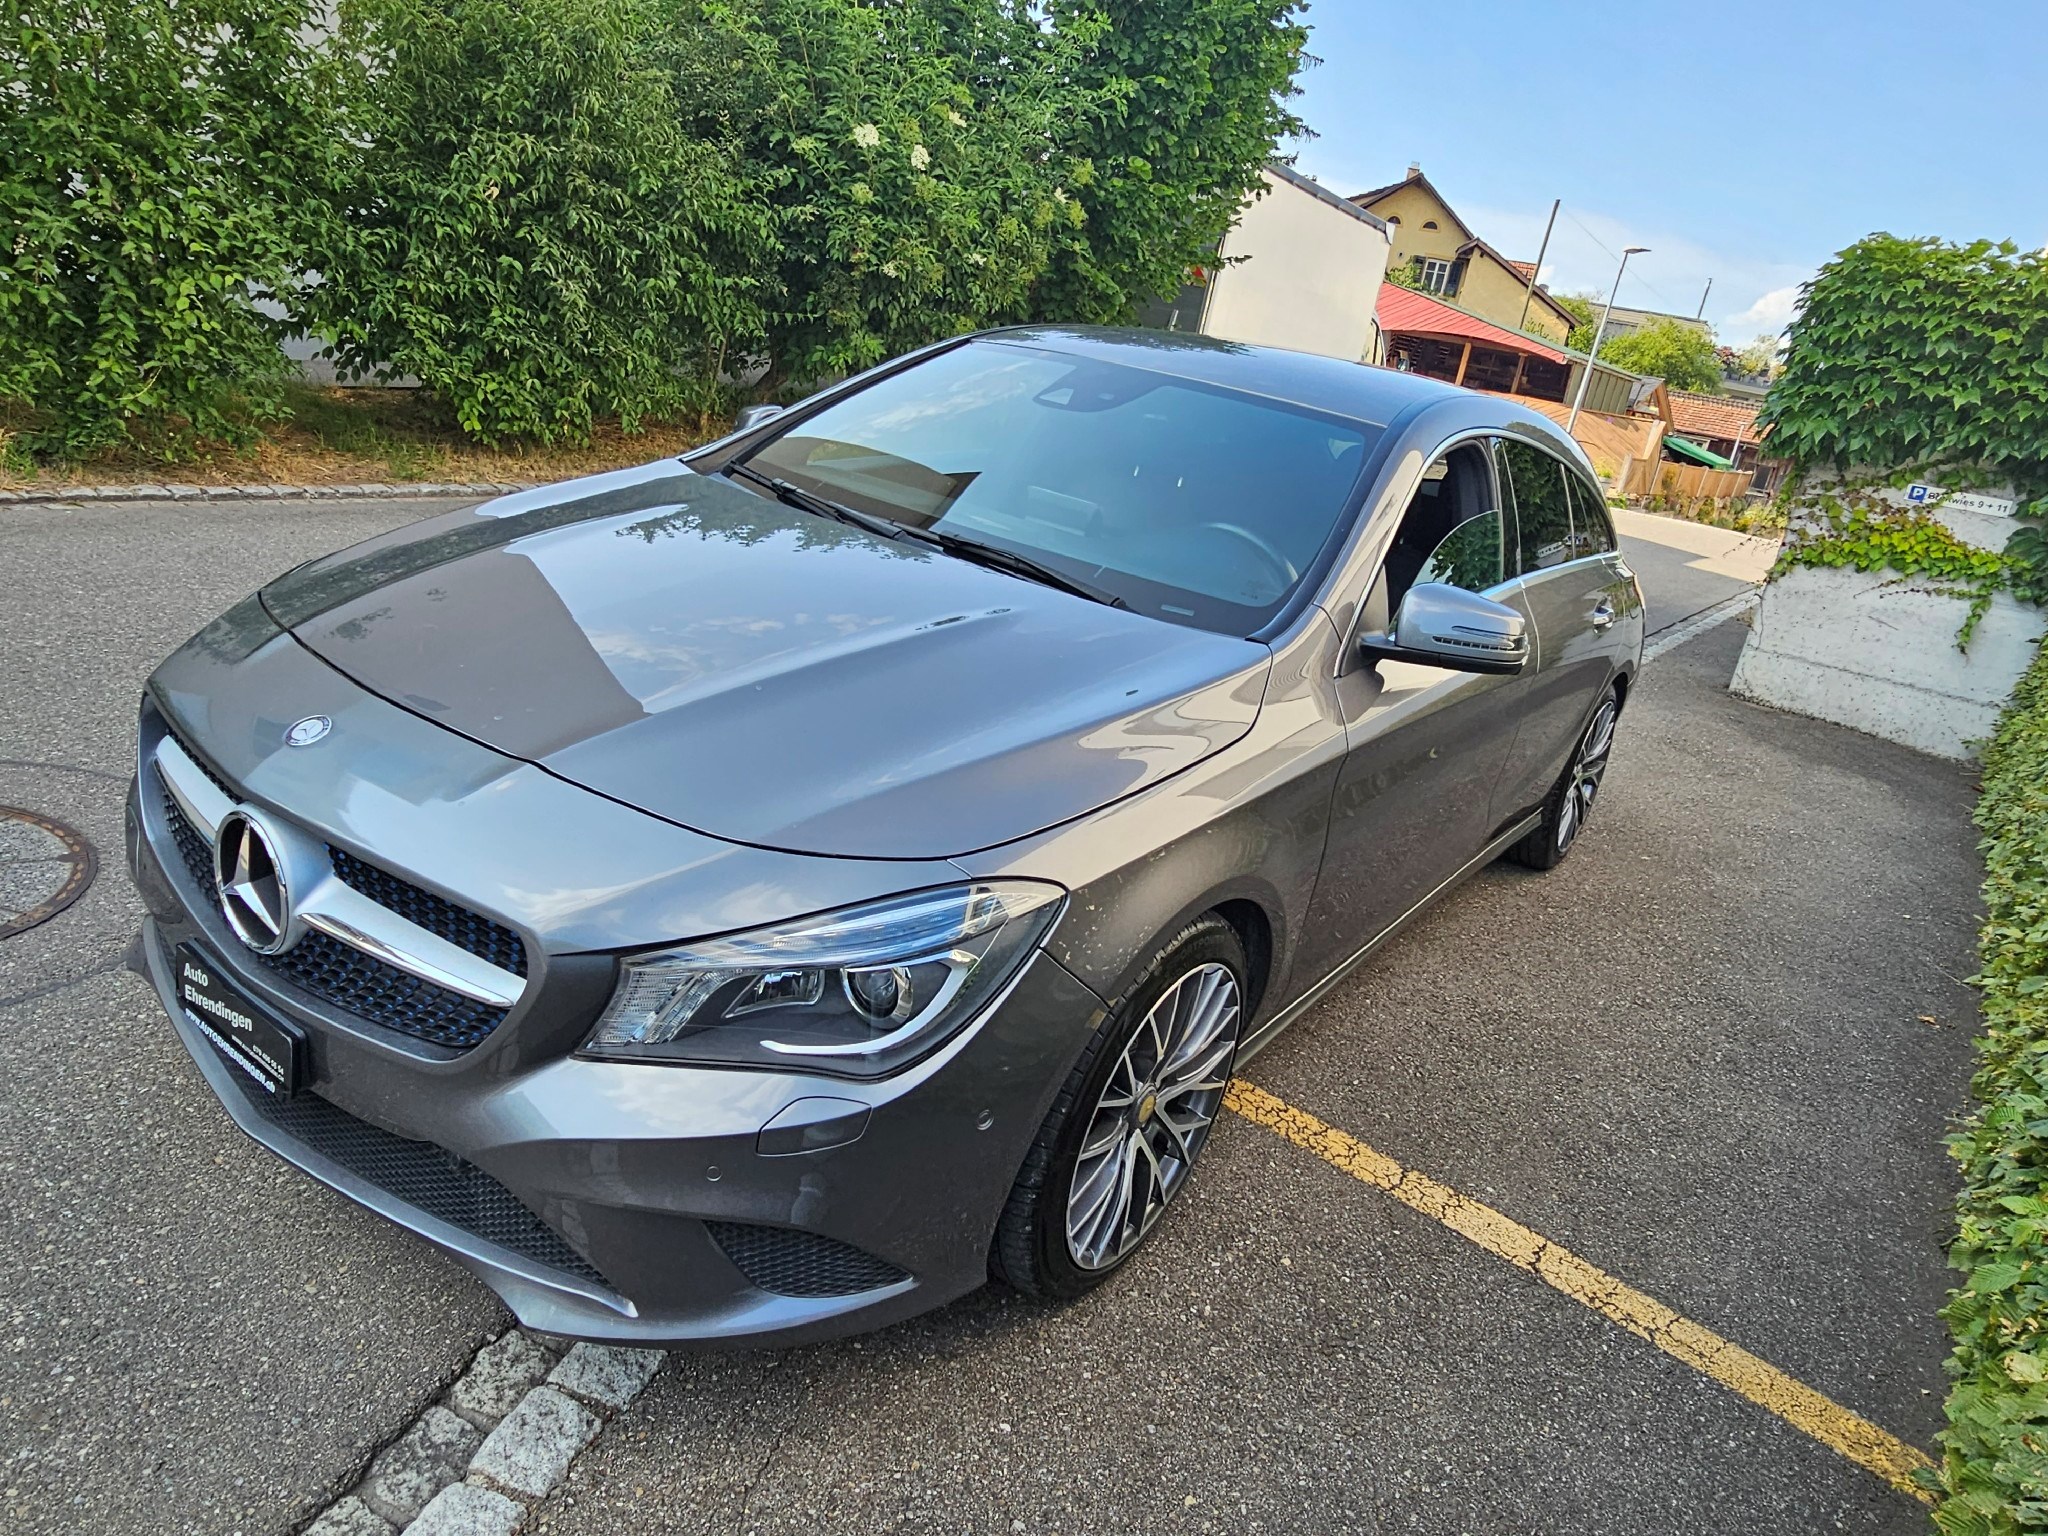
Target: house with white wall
(1301, 268)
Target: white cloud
(1672, 275)
(1772, 313)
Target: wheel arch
(1254, 931)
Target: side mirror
(752, 416)
(1443, 626)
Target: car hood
(766, 675)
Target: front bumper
(637, 1203)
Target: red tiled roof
(1697, 415)
(1524, 269)
(1405, 309)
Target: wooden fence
(1683, 482)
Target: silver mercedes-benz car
(755, 896)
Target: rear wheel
(1571, 802)
(1122, 1137)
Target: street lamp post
(1586, 373)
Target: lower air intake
(786, 1262)
(428, 1178)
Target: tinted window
(1469, 556)
(1592, 529)
(1452, 530)
(1543, 515)
(1193, 504)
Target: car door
(1582, 601)
(1424, 744)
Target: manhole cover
(44, 867)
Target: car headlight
(859, 992)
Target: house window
(1435, 274)
(1429, 224)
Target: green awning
(1686, 449)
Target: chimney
(1414, 170)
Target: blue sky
(1743, 142)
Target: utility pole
(1537, 271)
(1703, 301)
(1586, 373)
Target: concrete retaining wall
(1865, 649)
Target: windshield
(1190, 503)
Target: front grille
(787, 1262)
(202, 764)
(343, 975)
(428, 1178)
(438, 915)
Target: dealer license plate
(268, 1049)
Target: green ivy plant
(1859, 531)
(1920, 353)
(1929, 360)
(1994, 1470)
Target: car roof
(1358, 391)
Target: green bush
(156, 156)
(1923, 355)
(553, 210)
(525, 222)
(1995, 1463)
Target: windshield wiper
(991, 555)
(995, 557)
(810, 501)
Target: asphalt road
(1696, 1055)
(1686, 568)
(197, 1338)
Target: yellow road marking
(1705, 1351)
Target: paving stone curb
(168, 492)
(496, 1443)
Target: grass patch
(1995, 1461)
(338, 436)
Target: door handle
(1603, 613)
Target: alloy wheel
(1153, 1115)
(1583, 786)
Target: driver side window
(1452, 530)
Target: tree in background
(909, 158)
(1759, 359)
(1179, 104)
(154, 182)
(1681, 355)
(1584, 308)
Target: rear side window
(1592, 528)
(1543, 512)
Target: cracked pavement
(1693, 1056)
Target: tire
(1194, 981)
(1577, 790)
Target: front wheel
(1121, 1139)
(1571, 802)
